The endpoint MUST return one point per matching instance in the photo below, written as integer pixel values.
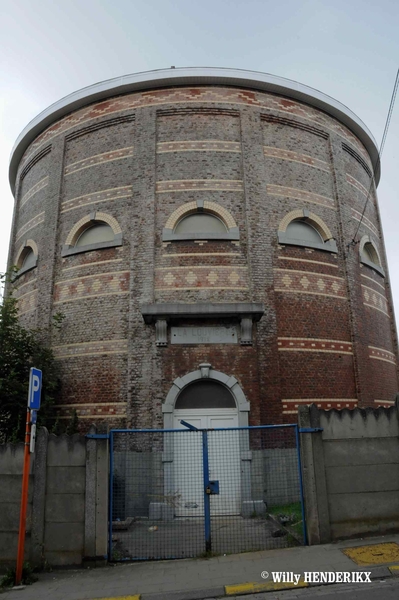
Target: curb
(244, 589)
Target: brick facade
(327, 334)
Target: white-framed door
(224, 461)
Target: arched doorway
(207, 399)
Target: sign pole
(34, 393)
(24, 502)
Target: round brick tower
(194, 228)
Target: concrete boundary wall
(350, 472)
(68, 500)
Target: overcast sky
(348, 49)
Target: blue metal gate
(182, 493)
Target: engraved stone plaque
(204, 335)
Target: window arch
(93, 232)
(369, 254)
(200, 220)
(303, 228)
(26, 257)
(205, 393)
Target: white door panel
(224, 462)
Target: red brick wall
(327, 335)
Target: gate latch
(212, 487)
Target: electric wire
(378, 160)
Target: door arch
(205, 372)
(208, 399)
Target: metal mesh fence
(186, 493)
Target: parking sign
(35, 388)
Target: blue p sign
(35, 388)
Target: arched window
(205, 394)
(93, 232)
(200, 223)
(200, 220)
(369, 254)
(303, 228)
(26, 257)
(304, 232)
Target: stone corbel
(246, 331)
(161, 332)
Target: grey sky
(347, 49)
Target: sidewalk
(194, 579)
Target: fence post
(314, 477)
(90, 497)
(39, 498)
(207, 497)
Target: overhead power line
(378, 159)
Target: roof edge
(192, 76)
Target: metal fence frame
(206, 481)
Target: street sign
(32, 439)
(35, 388)
(33, 417)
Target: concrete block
(338, 425)
(361, 452)
(66, 480)
(370, 478)
(63, 559)
(64, 537)
(168, 512)
(12, 459)
(251, 508)
(11, 486)
(65, 508)
(366, 505)
(9, 517)
(9, 546)
(155, 511)
(66, 451)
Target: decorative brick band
(384, 403)
(194, 95)
(97, 197)
(91, 410)
(306, 282)
(205, 185)
(30, 225)
(91, 286)
(92, 264)
(192, 207)
(200, 277)
(20, 287)
(98, 410)
(33, 190)
(272, 152)
(355, 183)
(296, 194)
(290, 406)
(356, 215)
(373, 281)
(27, 302)
(382, 354)
(118, 346)
(99, 159)
(306, 260)
(198, 146)
(286, 344)
(374, 299)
